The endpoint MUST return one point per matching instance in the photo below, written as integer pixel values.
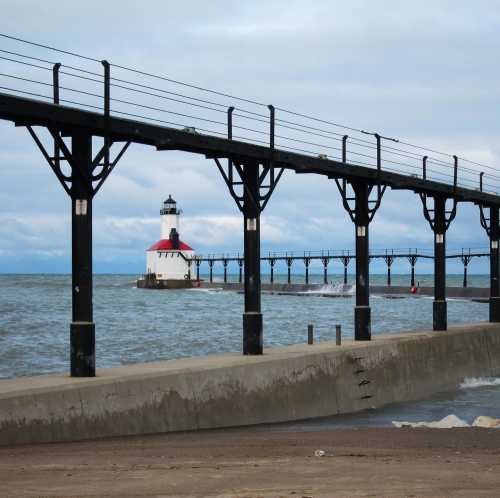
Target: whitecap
(473, 382)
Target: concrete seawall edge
(285, 384)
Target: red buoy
(413, 290)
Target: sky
(423, 72)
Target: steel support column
(412, 260)
(252, 317)
(82, 339)
(240, 270)
(439, 305)
(272, 262)
(345, 262)
(494, 266)
(362, 325)
(325, 270)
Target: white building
(168, 258)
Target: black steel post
(272, 262)
(413, 261)
(289, 262)
(362, 325)
(198, 269)
(240, 273)
(346, 263)
(82, 327)
(439, 305)
(389, 264)
(252, 317)
(211, 265)
(224, 262)
(306, 262)
(55, 84)
(325, 271)
(466, 263)
(494, 266)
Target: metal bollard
(338, 335)
(310, 336)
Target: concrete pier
(452, 292)
(284, 384)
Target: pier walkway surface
(284, 384)
(252, 463)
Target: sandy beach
(255, 463)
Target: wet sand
(261, 463)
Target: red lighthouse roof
(166, 245)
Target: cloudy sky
(424, 72)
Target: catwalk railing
(43, 72)
(76, 103)
(325, 257)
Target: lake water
(138, 325)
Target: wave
(337, 289)
(473, 382)
(211, 290)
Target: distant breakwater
(341, 290)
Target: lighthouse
(168, 261)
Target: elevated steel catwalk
(29, 112)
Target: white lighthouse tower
(169, 260)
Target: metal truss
(347, 199)
(101, 166)
(430, 213)
(485, 220)
(233, 173)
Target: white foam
(337, 289)
(211, 290)
(473, 382)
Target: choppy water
(138, 325)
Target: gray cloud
(425, 73)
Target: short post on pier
(310, 334)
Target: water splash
(334, 289)
(473, 382)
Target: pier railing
(325, 256)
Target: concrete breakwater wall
(452, 292)
(284, 384)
